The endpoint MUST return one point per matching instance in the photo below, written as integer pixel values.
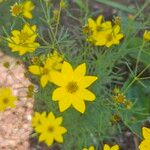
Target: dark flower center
(5, 100)
(72, 87)
(50, 129)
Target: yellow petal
(58, 94)
(58, 121)
(116, 29)
(28, 6)
(59, 138)
(91, 24)
(145, 145)
(44, 80)
(115, 147)
(34, 69)
(106, 147)
(67, 69)
(57, 78)
(42, 137)
(99, 20)
(15, 32)
(146, 133)
(51, 117)
(80, 71)
(79, 105)
(49, 141)
(27, 14)
(61, 130)
(91, 148)
(87, 95)
(87, 81)
(64, 104)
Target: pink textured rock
(15, 123)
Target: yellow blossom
(53, 64)
(145, 144)
(72, 87)
(6, 98)
(107, 147)
(24, 9)
(146, 35)
(49, 128)
(102, 33)
(37, 119)
(90, 148)
(119, 98)
(114, 37)
(23, 41)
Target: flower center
(109, 37)
(45, 71)
(50, 129)
(72, 87)
(24, 37)
(5, 100)
(16, 10)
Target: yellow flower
(38, 119)
(6, 98)
(49, 128)
(114, 37)
(107, 147)
(95, 25)
(102, 33)
(53, 64)
(119, 98)
(146, 35)
(23, 41)
(90, 148)
(23, 9)
(72, 87)
(145, 144)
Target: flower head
(145, 144)
(146, 35)
(23, 41)
(114, 37)
(102, 33)
(72, 87)
(49, 127)
(6, 98)
(37, 119)
(53, 64)
(90, 148)
(107, 147)
(23, 9)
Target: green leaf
(117, 5)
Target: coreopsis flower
(90, 148)
(49, 128)
(102, 33)
(7, 99)
(52, 64)
(37, 119)
(23, 41)
(146, 35)
(72, 87)
(23, 9)
(107, 147)
(119, 98)
(145, 144)
(114, 37)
